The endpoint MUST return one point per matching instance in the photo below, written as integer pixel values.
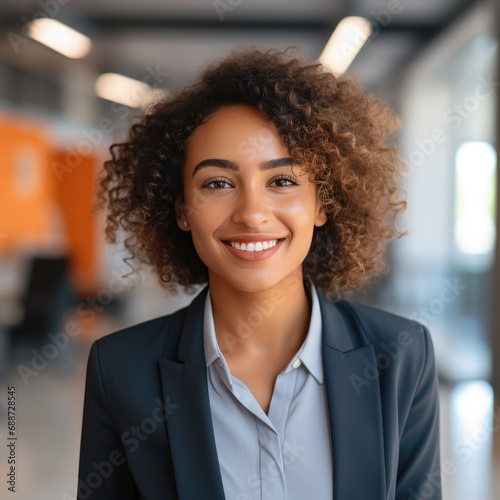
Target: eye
(217, 183)
(283, 181)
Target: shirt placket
(271, 431)
(269, 482)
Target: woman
(273, 182)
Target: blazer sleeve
(103, 471)
(419, 473)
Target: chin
(251, 283)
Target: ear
(180, 214)
(321, 217)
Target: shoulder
(138, 348)
(378, 325)
(400, 345)
(143, 340)
(367, 324)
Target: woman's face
(251, 212)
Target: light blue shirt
(285, 455)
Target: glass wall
(441, 270)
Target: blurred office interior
(434, 62)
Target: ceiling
(174, 38)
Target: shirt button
(296, 363)
(220, 362)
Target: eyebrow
(232, 165)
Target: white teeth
(258, 246)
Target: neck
(265, 323)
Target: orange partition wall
(75, 191)
(46, 197)
(27, 187)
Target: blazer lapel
(189, 426)
(354, 405)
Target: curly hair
(327, 122)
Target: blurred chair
(47, 296)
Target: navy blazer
(147, 430)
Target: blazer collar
(191, 339)
(190, 428)
(355, 417)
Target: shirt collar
(309, 353)
(212, 351)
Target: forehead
(236, 132)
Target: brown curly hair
(328, 123)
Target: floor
(48, 396)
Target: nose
(251, 208)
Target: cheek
(208, 216)
(302, 209)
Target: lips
(254, 250)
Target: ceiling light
(59, 37)
(346, 41)
(122, 89)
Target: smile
(256, 246)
